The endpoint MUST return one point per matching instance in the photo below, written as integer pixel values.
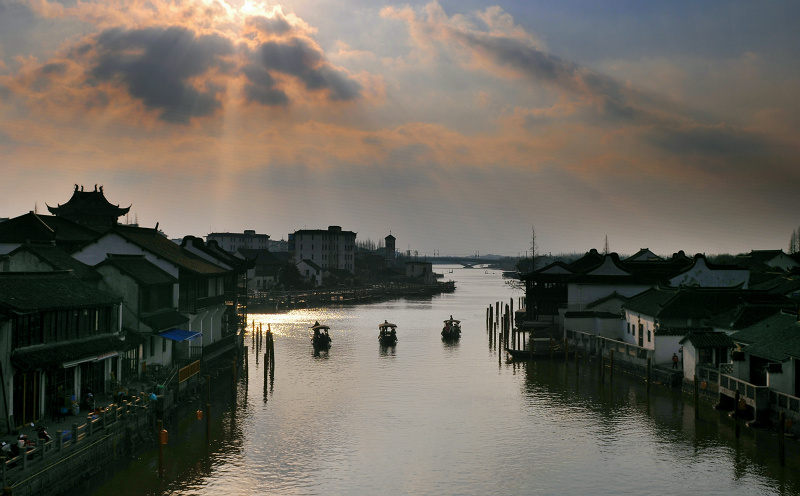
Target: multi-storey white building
(329, 249)
(231, 242)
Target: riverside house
(764, 368)
(60, 338)
(149, 311)
(200, 293)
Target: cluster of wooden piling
(500, 326)
(263, 342)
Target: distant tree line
(369, 245)
(794, 242)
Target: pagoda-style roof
(89, 208)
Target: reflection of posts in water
(696, 399)
(647, 377)
(782, 438)
(736, 412)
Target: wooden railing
(42, 457)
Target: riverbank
(276, 301)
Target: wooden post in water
(246, 363)
(647, 378)
(576, 361)
(611, 366)
(602, 364)
(696, 399)
(160, 449)
(782, 438)
(736, 412)
(208, 410)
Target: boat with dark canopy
(320, 339)
(451, 329)
(387, 333)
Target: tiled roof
(165, 320)
(584, 314)
(649, 302)
(152, 241)
(311, 264)
(88, 202)
(705, 303)
(36, 291)
(701, 339)
(765, 255)
(604, 299)
(747, 314)
(139, 269)
(589, 261)
(39, 356)
(27, 227)
(775, 338)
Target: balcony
(755, 397)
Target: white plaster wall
(8, 247)
(121, 285)
(701, 275)
(97, 251)
(665, 346)
(783, 382)
(610, 328)
(690, 357)
(27, 262)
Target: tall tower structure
(390, 250)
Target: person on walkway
(674, 360)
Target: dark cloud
(261, 87)
(156, 64)
(53, 68)
(299, 59)
(716, 141)
(270, 25)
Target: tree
(534, 246)
(289, 277)
(794, 242)
(605, 246)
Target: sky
(459, 127)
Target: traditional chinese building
(90, 208)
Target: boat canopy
(317, 325)
(385, 325)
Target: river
(431, 418)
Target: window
(163, 345)
(152, 346)
(648, 335)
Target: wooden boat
(452, 329)
(320, 339)
(537, 348)
(387, 333)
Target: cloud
(157, 66)
(179, 62)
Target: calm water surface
(431, 418)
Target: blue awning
(180, 335)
